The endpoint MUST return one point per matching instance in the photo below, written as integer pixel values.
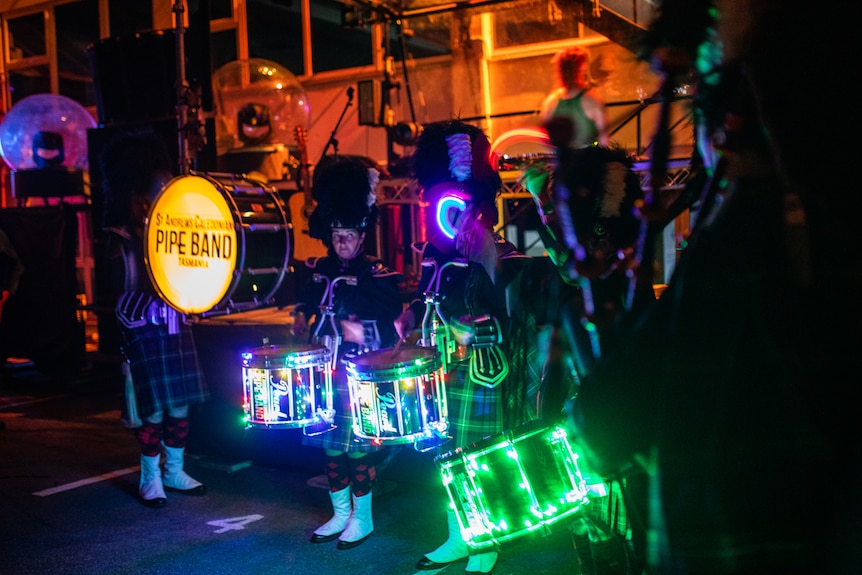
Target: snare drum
(513, 483)
(287, 386)
(217, 245)
(397, 395)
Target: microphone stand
(182, 88)
(332, 141)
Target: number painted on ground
(234, 523)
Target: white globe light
(33, 118)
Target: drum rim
(511, 436)
(431, 358)
(301, 348)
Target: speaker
(135, 77)
(370, 103)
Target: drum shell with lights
(217, 243)
(512, 484)
(287, 386)
(397, 395)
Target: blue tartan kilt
(165, 368)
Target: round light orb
(258, 103)
(45, 130)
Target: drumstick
(397, 349)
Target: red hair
(570, 62)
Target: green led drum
(287, 386)
(397, 395)
(513, 483)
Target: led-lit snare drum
(287, 386)
(513, 483)
(397, 395)
(217, 243)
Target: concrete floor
(69, 473)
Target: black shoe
(350, 544)
(315, 538)
(426, 564)
(199, 490)
(153, 503)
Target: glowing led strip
(449, 201)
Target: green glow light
(508, 489)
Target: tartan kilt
(165, 369)
(342, 437)
(475, 411)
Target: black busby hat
(345, 189)
(602, 192)
(454, 151)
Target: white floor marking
(88, 481)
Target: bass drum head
(204, 254)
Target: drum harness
(432, 334)
(327, 310)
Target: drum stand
(327, 310)
(438, 334)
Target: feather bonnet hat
(345, 189)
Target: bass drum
(217, 243)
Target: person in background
(363, 312)
(575, 100)
(161, 354)
(482, 302)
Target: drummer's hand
(353, 331)
(405, 323)
(462, 330)
(300, 323)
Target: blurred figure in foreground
(733, 391)
(590, 233)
